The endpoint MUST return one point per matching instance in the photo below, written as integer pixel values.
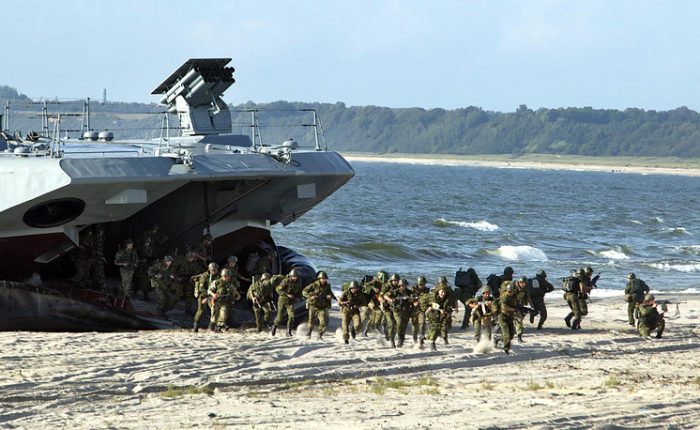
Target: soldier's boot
(352, 333)
(400, 342)
(289, 331)
(446, 341)
(575, 324)
(539, 326)
(346, 341)
(658, 335)
(507, 351)
(320, 335)
(421, 342)
(393, 343)
(432, 346)
(520, 338)
(415, 337)
(532, 317)
(364, 332)
(274, 329)
(465, 321)
(211, 326)
(308, 334)
(195, 327)
(567, 319)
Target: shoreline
(633, 165)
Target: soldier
(387, 310)
(442, 283)
(186, 269)
(223, 292)
(634, 296)
(400, 300)
(264, 263)
(98, 259)
(318, 297)
(495, 281)
(289, 291)
(482, 313)
(202, 282)
(538, 287)
(148, 253)
(522, 299)
(373, 290)
(439, 314)
(89, 259)
(232, 265)
(572, 291)
(584, 277)
(469, 284)
(418, 308)
(351, 301)
(506, 315)
(127, 260)
(161, 275)
(260, 293)
(205, 250)
(650, 318)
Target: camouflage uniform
(162, 275)
(439, 314)
(635, 290)
(401, 299)
(650, 319)
(127, 260)
(202, 283)
(260, 293)
(146, 249)
(185, 268)
(205, 250)
(224, 292)
(318, 297)
(506, 317)
(373, 291)
(538, 287)
(522, 298)
(572, 299)
(418, 309)
(482, 314)
(289, 291)
(89, 260)
(351, 301)
(387, 310)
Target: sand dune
(604, 376)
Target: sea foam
(614, 254)
(521, 253)
(478, 225)
(668, 266)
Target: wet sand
(604, 376)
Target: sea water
(431, 220)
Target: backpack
(534, 288)
(569, 284)
(494, 281)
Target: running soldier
(318, 297)
(373, 291)
(419, 306)
(506, 315)
(260, 293)
(202, 282)
(162, 276)
(400, 301)
(482, 313)
(224, 293)
(186, 269)
(538, 287)
(572, 290)
(351, 301)
(522, 299)
(389, 319)
(635, 290)
(439, 314)
(289, 291)
(127, 260)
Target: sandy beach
(604, 376)
(588, 164)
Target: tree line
(469, 131)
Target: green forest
(468, 131)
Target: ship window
(54, 213)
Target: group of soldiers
(380, 303)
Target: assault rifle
(525, 309)
(664, 306)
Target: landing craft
(204, 180)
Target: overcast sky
(449, 54)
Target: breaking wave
(668, 266)
(479, 225)
(520, 253)
(676, 231)
(616, 253)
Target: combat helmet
(321, 275)
(381, 276)
(541, 274)
(588, 270)
(294, 273)
(442, 280)
(265, 276)
(486, 289)
(403, 282)
(354, 284)
(213, 267)
(522, 279)
(225, 272)
(508, 270)
(649, 298)
(168, 258)
(421, 281)
(507, 286)
(232, 259)
(395, 277)
(631, 276)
